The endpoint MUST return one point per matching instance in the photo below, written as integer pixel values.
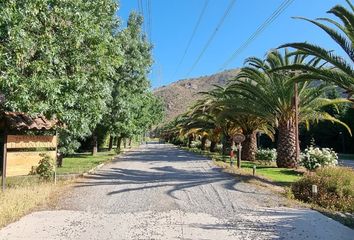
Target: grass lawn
(82, 162)
(282, 176)
(279, 175)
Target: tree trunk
(130, 143)
(286, 147)
(213, 145)
(110, 146)
(190, 139)
(249, 147)
(119, 143)
(203, 143)
(226, 145)
(94, 143)
(125, 143)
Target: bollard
(314, 190)
(254, 170)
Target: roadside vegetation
(25, 195)
(76, 62)
(262, 101)
(266, 169)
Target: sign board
(25, 141)
(20, 163)
(239, 138)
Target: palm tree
(341, 71)
(204, 123)
(227, 128)
(250, 124)
(269, 94)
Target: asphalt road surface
(346, 163)
(161, 192)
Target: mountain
(180, 95)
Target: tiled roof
(23, 121)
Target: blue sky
(172, 23)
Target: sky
(172, 23)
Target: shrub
(219, 148)
(195, 144)
(45, 168)
(266, 155)
(314, 158)
(335, 188)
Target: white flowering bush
(314, 157)
(266, 156)
(195, 144)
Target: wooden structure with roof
(22, 144)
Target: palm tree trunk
(249, 147)
(203, 143)
(226, 145)
(286, 147)
(213, 145)
(190, 139)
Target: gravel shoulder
(161, 192)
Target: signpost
(238, 139)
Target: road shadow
(170, 176)
(161, 155)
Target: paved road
(346, 163)
(160, 192)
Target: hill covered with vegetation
(180, 95)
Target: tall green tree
(335, 68)
(132, 109)
(56, 59)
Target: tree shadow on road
(176, 179)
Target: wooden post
(56, 157)
(4, 162)
(239, 147)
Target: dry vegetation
(179, 95)
(19, 201)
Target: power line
(282, 7)
(139, 6)
(192, 36)
(141, 3)
(149, 19)
(212, 36)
